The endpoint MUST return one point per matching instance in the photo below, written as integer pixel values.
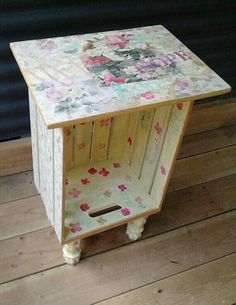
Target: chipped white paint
(135, 228)
(72, 253)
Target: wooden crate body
(108, 112)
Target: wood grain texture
(211, 284)
(15, 156)
(163, 257)
(180, 208)
(203, 167)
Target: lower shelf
(101, 196)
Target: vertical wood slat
(100, 140)
(59, 173)
(118, 137)
(34, 141)
(175, 131)
(82, 143)
(154, 147)
(45, 140)
(69, 147)
(141, 138)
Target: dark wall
(208, 28)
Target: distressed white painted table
(108, 112)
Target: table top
(86, 77)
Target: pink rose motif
(84, 207)
(75, 227)
(182, 85)
(163, 170)
(107, 194)
(104, 172)
(53, 93)
(179, 106)
(92, 170)
(122, 187)
(125, 212)
(104, 122)
(85, 181)
(158, 128)
(138, 199)
(94, 61)
(111, 78)
(116, 165)
(129, 141)
(66, 181)
(148, 95)
(75, 193)
(117, 40)
(81, 146)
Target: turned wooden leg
(72, 252)
(135, 228)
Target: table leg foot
(135, 228)
(72, 253)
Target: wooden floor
(187, 253)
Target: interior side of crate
(140, 147)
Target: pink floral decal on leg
(179, 106)
(116, 165)
(92, 170)
(104, 172)
(125, 212)
(75, 227)
(163, 170)
(75, 193)
(129, 141)
(84, 207)
(148, 95)
(85, 181)
(122, 187)
(158, 129)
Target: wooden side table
(108, 112)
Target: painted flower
(163, 170)
(122, 187)
(85, 181)
(109, 78)
(66, 181)
(101, 220)
(117, 40)
(104, 122)
(92, 170)
(179, 106)
(182, 85)
(129, 141)
(104, 172)
(116, 165)
(53, 93)
(81, 145)
(94, 61)
(148, 95)
(158, 129)
(138, 199)
(107, 193)
(75, 227)
(125, 212)
(75, 193)
(84, 207)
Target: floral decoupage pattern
(93, 188)
(76, 77)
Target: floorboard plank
(210, 284)
(118, 271)
(204, 167)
